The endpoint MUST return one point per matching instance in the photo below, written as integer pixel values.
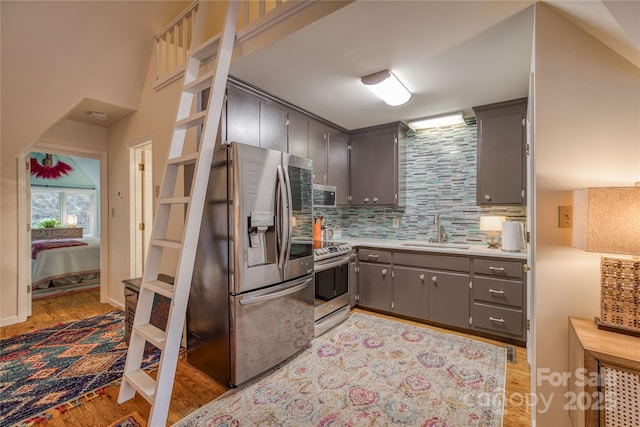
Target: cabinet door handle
(375, 199)
(366, 200)
(384, 271)
(422, 277)
(496, 319)
(487, 197)
(372, 257)
(498, 291)
(496, 268)
(434, 278)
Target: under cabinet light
(387, 86)
(432, 122)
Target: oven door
(332, 284)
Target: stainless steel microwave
(324, 195)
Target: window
(57, 204)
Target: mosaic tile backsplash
(441, 178)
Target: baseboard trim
(116, 303)
(9, 321)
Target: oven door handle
(322, 266)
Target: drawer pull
(373, 257)
(496, 268)
(384, 271)
(498, 291)
(496, 319)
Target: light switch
(395, 222)
(565, 217)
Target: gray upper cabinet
(298, 135)
(273, 126)
(318, 151)
(243, 117)
(501, 176)
(338, 165)
(375, 165)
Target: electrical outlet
(565, 217)
(395, 222)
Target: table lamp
(608, 220)
(492, 225)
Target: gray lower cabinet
(410, 292)
(375, 286)
(449, 298)
(498, 298)
(481, 294)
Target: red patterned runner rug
(370, 371)
(55, 369)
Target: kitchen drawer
(440, 262)
(497, 291)
(497, 320)
(497, 268)
(373, 255)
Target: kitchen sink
(436, 245)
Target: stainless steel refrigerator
(252, 295)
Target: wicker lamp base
(620, 296)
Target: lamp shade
(607, 220)
(491, 222)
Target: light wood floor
(192, 389)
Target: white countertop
(424, 246)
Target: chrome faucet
(441, 234)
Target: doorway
(86, 202)
(141, 204)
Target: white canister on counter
(512, 236)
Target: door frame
(24, 220)
(148, 214)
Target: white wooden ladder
(158, 392)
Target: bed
(70, 261)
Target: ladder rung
(167, 243)
(159, 287)
(203, 82)
(207, 49)
(143, 383)
(187, 159)
(192, 121)
(152, 334)
(174, 200)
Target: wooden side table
(604, 386)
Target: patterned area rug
(52, 367)
(132, 420)
(370, 371)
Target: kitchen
(567, 93)
(351, 240)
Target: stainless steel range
(331, 270)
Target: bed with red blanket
(64, 261)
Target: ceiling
(450, 55)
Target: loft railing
(172, 42)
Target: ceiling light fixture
(433, 122)
(98, 115)
(387, 86)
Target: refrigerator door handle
(281, 212)
(279, 294)
(288, 214)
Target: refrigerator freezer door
(254, 232)
(298, 174)
(270, 325)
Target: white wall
(587, 127)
